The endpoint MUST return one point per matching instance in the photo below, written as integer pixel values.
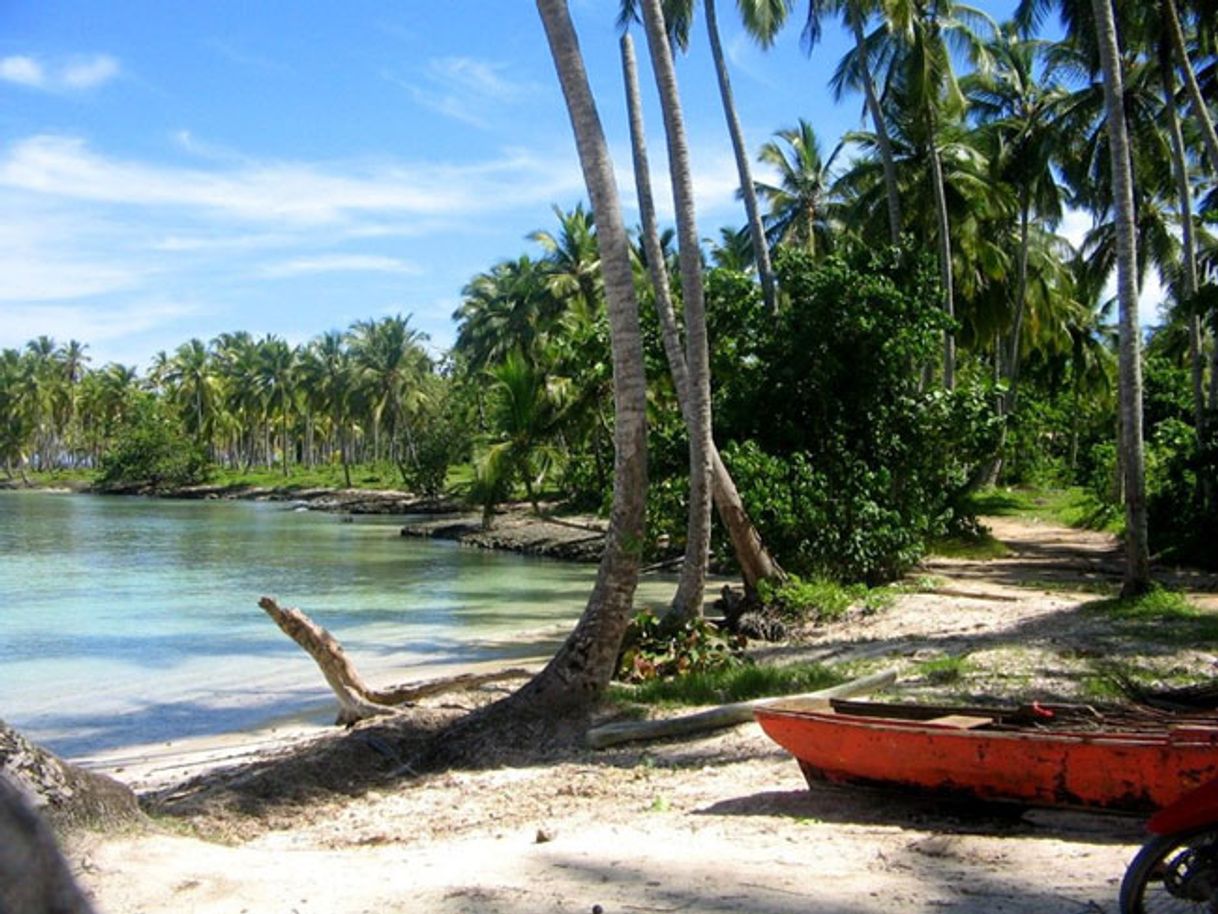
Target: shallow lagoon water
(127, 621)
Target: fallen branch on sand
(356, 699)
(725, 715)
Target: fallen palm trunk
(356, 699)
(725, 715)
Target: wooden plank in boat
(961, 721)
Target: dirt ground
(720, 823)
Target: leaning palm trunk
(881, 129)
(580, 671)
(748, 190)
(1137, 567)
(755, 562)
(688, 601)
(1200, 110)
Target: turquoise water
(126, 621)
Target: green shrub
(655, 648)
(152, 451)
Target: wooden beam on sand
(725, 715)
(356, 699)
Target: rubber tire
(1137, 874)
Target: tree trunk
(67, 796)
(1200, 110)
(687, 603)
(881, 127)
(748, 190)
(755, 562)
(580, 672)
(1137, 568)
(945, 262)
(34, 877)
(1021, 295)
(1189, 256)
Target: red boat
(1127, 759)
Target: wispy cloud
(465, 89)
(90, 322)
(339, 263)
(76, 74)
(296, 193)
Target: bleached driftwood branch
(356, 699)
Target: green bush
(655, 648)
(846, 461)
(152, 451)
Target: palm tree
(191, 380)
(855, 72)
(503, 309)
(328, 374)
(277, 381)
(580, 671)
(1137, 568)
(763, 19)
(1019, 117)
(755, 562)
(391, 360)
(687, 603)
(801, 203)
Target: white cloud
(91, 323)
(90, 72)
(465, 89)
(76, 74)
(294, 193)
(25, 71)
(339, 263)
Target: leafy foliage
(152, 451)
(656, 648)
(845, 460)
(741, 682)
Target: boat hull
(1129, 772)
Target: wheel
(1174, 873)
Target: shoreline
(569, 538)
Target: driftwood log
(356, 699)
(723, 716)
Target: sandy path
(723, 823)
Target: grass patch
(1160, 615)
(737, 683)
(980, 547)
(1072, 507)
(821, 599)
(944, 670)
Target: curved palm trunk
(1137, 567)
(581, 669)
(748, 190)
(945, 263)
(755, 562)
(1200, 111)
(881, 128)
(1021, 304)
(688, 601)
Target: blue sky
(177, 169)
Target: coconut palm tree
(1137, 566)
(580, 671)
(391, 360)
(763, 20)
(1019, 117)
(755, 562)
(328, 373)
(277, 363)
(801, 204)
(855, 72)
